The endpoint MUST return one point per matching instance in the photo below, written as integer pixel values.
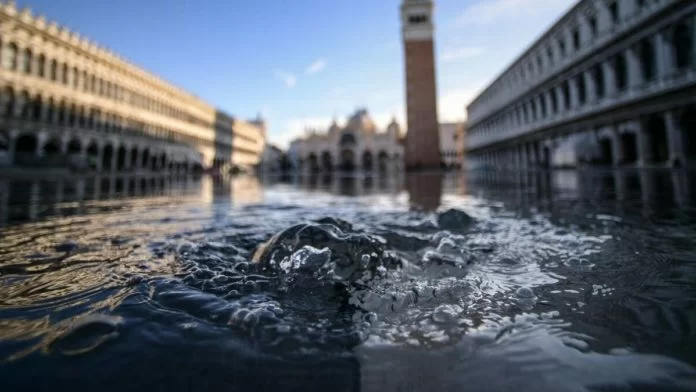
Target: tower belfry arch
(422, 144)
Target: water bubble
(446, 314)
(524, 293)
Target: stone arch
(41, 66)
(27, 59)
(11, 56)
(121, 158)
(327, 161)
(383, 160)
(36, 107)
(7, 102)
(53, 71)
(145, 158)
(25, 147)
(52, 147)
(656, 132)
(93, 155)
(313, 162)
(683, 40)
(606, 149)
(687, 125)
(74, 147)
(107, 156)
(367, 160)
(648, 60)
(24, 105)
(162, 161)
(134, 158)
(50, 110)
(348, 160)
(347, 140)
(629, 148)
(62, 113)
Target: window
(576, 39)
(41, 66)
(621, 72)
(598, 76)
(565, 90)
(614, 11)
(54, 70)
(593, 26)
(647, 59)
(549, 55)
(64, 74)
(682, 37)
(554, 102)
(75, 78)
(10, 57)
(26, 67)
(417, 19)
(580, 83)
(561, 47)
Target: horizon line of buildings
(65, 101)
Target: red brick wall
(422, 140)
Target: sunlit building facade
(613, 83)
(356, 146)
(66, 101)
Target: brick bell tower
(422, 147)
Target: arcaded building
(356, 146)
(66, 101)
(613, 83)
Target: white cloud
(316, 67)
(288, 78)
(489, 11)
(456, 54)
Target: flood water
(490, 281)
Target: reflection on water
(558, 281)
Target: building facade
(613, 83)
(356, 146)
(421, 143)
(66, 101)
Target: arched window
(598, 77)
(620, 71)
(54, 70)
(26, 61)
(647, 59)
(41, 66)
(348, 139)
(75, 78)
(85, 81)
(10, 57)
(580, 82)
(64, 74)
(683, 45)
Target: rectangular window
(593, 26)
(561, 47)
(576, 39)
(614, 11)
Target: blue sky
(301, 63)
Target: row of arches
(27, 62)
(657, 150)
(348, 161)
(29, 150)
(575, 91)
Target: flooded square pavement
(560, 281)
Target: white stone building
(613, 82)
(65, 101)
(356, 146)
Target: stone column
(559, 100)
(590, 89)
(635, 76)
(609, 78)
(616, 150)
(573, 93)
(674, 139)
(127, 158)
(643, 146)
(549, 108)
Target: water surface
(564, 281)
